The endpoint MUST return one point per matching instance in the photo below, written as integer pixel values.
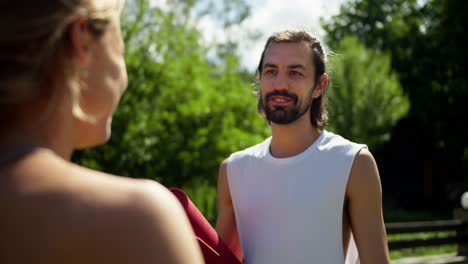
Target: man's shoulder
(256, 151)
(335, 144)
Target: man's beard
(284, 115)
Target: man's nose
(280, 82)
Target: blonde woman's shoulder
(59, 212)
(152, 221)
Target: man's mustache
(281, 93)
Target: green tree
(426, 41)
(182, 113)
(365, 98)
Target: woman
(62, 76)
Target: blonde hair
(34, 43)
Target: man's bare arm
(226, 223)
(364, 197)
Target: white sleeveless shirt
(289, 210)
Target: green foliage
(402, 28)
(426, 41)
(204, 197)
(228, 12)
(402, 215)
(427, 44)
(365, 97)
(182, 114)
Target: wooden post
(462, 214)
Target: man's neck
(292, 139)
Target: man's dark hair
(318, 113)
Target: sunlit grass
(401, 215)
(421, 251)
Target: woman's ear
(322, 86)
(80, 42)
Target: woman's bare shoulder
(110, 218)
(140, 212)
(45, 173)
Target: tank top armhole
(352, 255)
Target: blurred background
(399, 85)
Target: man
(295, 197)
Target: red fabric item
(214, 250)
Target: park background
(399, 85)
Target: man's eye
(295, 73)
(269, 72)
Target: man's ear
(80, 42)
(322, 86)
